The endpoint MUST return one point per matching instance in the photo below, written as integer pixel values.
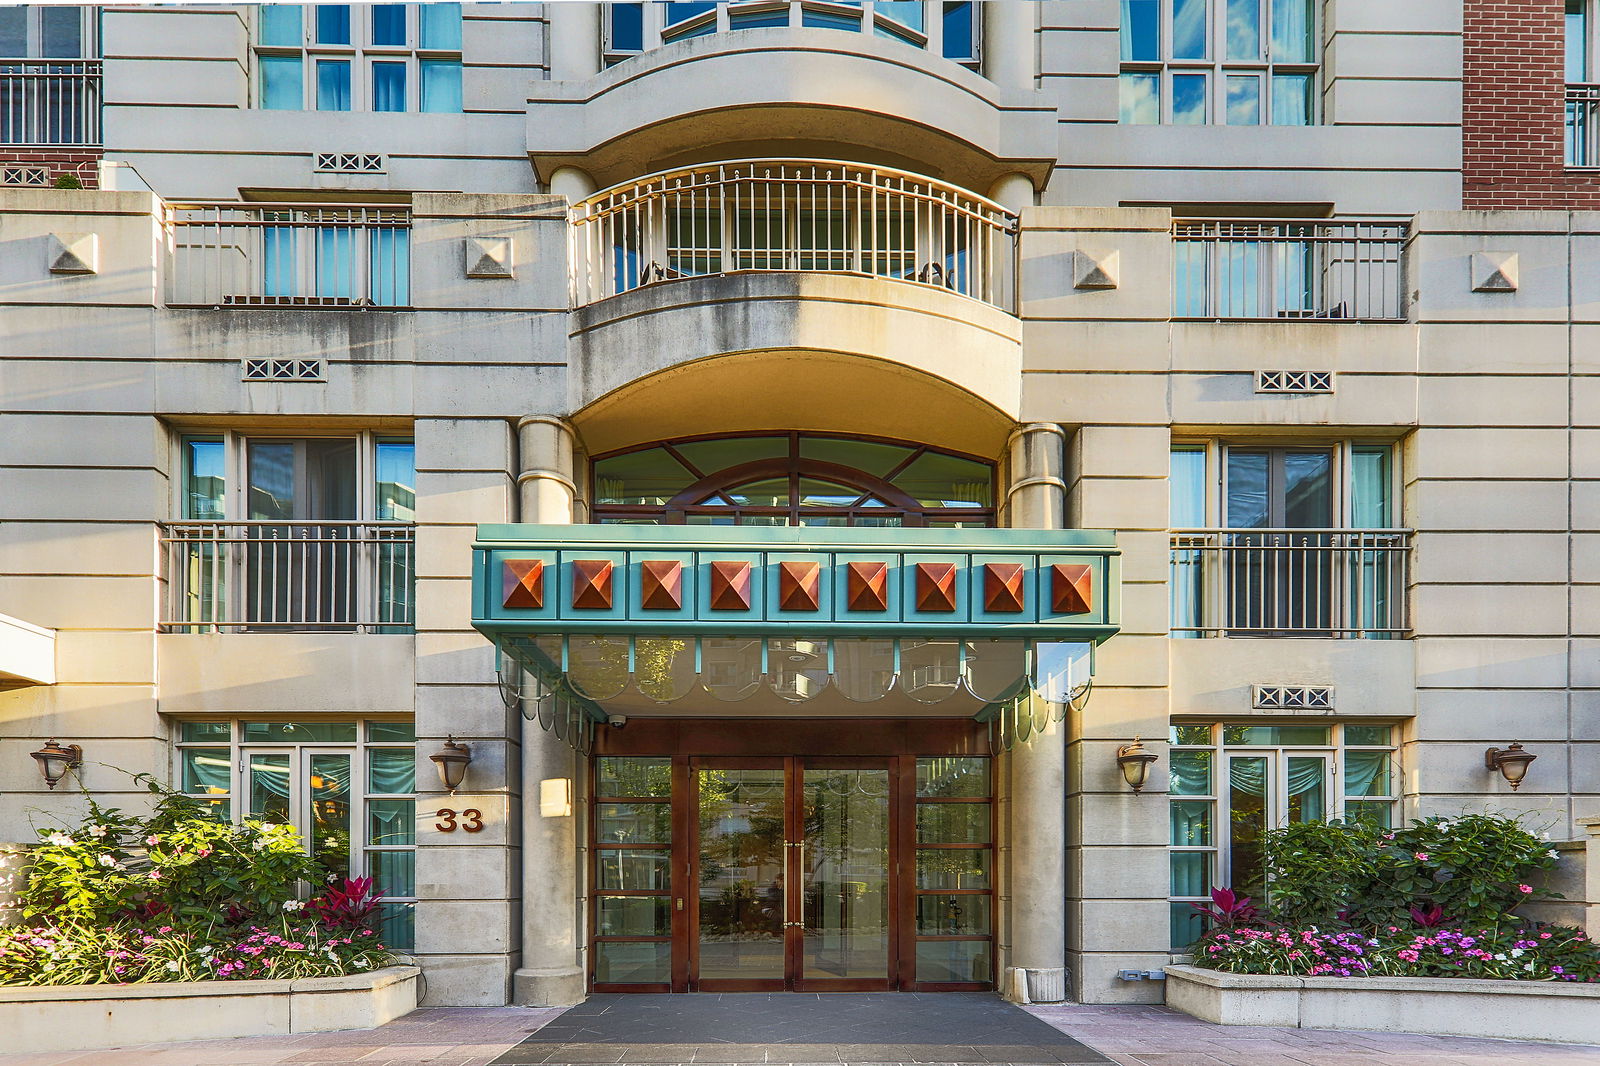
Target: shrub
(1553, 954)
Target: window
(1275, 540)
(951, 30)
(49, 75)
(1219, 62)
(361, 57)
(293, 534)
(793, 479)
(1231, 783)
(346, 785)
(1583, 96)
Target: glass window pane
(953, 777)
(207, 770)
(267, 787)
(1244, 99)
(1369, 488)
(333, 23)
(952, 868)
(393, 872)
(1191, 773)
(1247, 821)
(391, 732)
(1244, 29)
(633, 823)
(1308, 790)
(1307, 490)
(954, 960)
(1366, 773)
(1292, 32)
(1577, 64)
(1191, 873)
(937, 480)
(872, 457)
(281, 84)
(960, 34)
(1191, 734)
(954, 915)
(280, 25)
(648, 478)
(329, 792)
(710, 456)
(1141, 31)
(1188, 487)
(750, 20)
(392, 771)
(441, 27)
(441, 86)
(633, 916)
(633, 777)
(627, 27)
(1287, 735)
(1380, 815)
(13, 32)
(1291, 100)
(633, 962)
(299, 732)
(677, 13)
(1191, 823)
(333, 85)
(1187, 925)
(388, 86)
(1189, 30)
(60, 32)
(1189, 99)
(633, 870)
(204, 478)
(828, 20)
(391, 822)
(1367, 734)
(952, 823)
(905, 12)
(203, 731)
(389, 25)
(397, 927)
(1248, 506)
(397, 480)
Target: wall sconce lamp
(452, 760)
(1135, 763)
(1512, 762)
(56, 759)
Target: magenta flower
(1525, 889)
(1422, 856)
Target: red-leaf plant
(1228, 909)
(350, 907)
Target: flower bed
(1555, 953)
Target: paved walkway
(1129, 1036)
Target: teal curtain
(1371, 507)
(1366, 773)
(389, 260)
(1187, 510)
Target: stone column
(1008, 44)
(572, 182)
(551, 974)
(1037, 776)
(1011, 191)
(574, 40)
(1591, 895)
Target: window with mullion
(632, 885)
(376, 57)
(954, 838)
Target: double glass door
(792, 874)
(1280, 505)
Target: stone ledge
(74, 1017)
(1443, 1006)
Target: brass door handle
(680, 903)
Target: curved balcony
(732, 94)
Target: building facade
(804, 453)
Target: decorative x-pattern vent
(1309, 381)
(349, 163)
(1293, 697)
(283, 370)
(25, 176)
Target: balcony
(809, 216)
(311, 256)
(300, 577)
(1299, 269)
(49, 102)
(1334, 583)
(1582, 130)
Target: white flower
(206, 949)
(292, 905)
(1517, 953)
(259, 845)
(1501, 957)
(173, 965)
(60, 840)
(1528, 965)
(97, 831)
(362, 964)
(106, 860)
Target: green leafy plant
(68, 181)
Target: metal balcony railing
(288, 255)
(1289, 582)
(288, 576)
(49, 102)
(1288, 269)
(1582, 132)
(792, 215)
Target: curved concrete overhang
(781, 92)
(822, 352)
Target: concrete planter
(1562, 1012)
(70, 1017)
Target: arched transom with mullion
(793, 479)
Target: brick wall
(84, 163)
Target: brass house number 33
(471, 820)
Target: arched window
(792, 479)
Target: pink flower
(1422, 856)
(1524, 889)
(155, 875)
(152, 840)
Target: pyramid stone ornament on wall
(1495, 272)
(936, 587)
(74, 253)
(1071, 588)
(867, 586)
(1096, 269)
(591, 584)
(1002, 588)
(799, 585)
(488, 257)
(730, 585)
(661, 585)
(522, 584)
